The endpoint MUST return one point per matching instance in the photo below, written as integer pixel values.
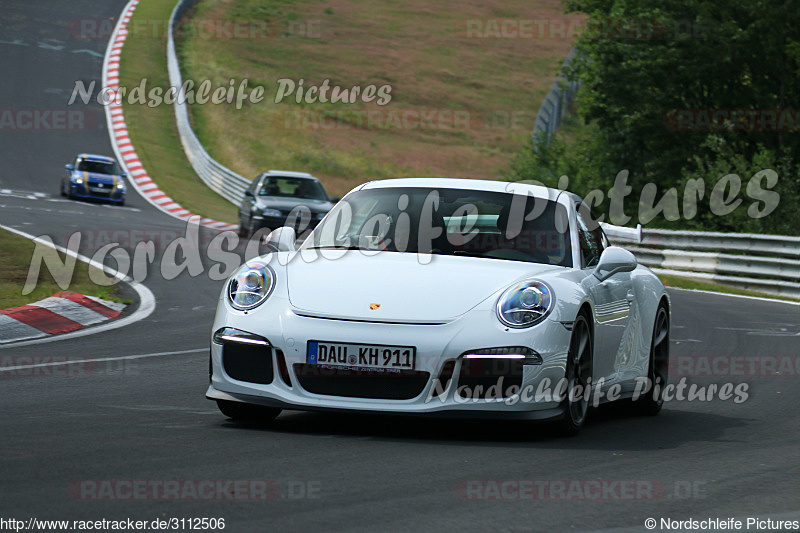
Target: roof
(95, 157)
(289, 174)
(461, 183)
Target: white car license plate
(372, 356)
(98, 189)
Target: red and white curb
(19, 329)
(118, 131)
(63, 312)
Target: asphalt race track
(125, 417)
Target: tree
(661, 79)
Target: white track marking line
(759, 298)
(100, 359)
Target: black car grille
(252, 364)
(478, 376)
(101, 189)
(373, 384)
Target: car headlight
(251, 285)
(77, 179)
(120, 185)
(271, 213)
(525, 304)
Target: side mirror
(123, 174)
(613, 261)
(282, 239)
(249, 193)
(70, 167)
(335, 199)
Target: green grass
(419, 48)
(152, 129)
(15, 262)
(699, 285)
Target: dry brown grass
(420, 48)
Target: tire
(650, 403)
(578, 374)
(62, 189)
(247, 412)
(244, 229)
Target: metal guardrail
(753, 243)
(767, 263)
(555, 105)
(220, 179)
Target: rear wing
(623, 234)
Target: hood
(405, 290)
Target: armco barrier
(219, 179)
(554, 106)
(767, 263)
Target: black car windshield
(307, 189)
(97, 167)
(488, 224)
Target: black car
(281, 198)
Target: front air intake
(353, 383)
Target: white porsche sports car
(453, 297)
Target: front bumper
(81, 192)
(439, 354)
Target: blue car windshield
(97, 167)
(488, 224)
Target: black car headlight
(525, 304)
(250, 285)
(272, 213)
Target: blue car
(94, 177)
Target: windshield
(473, 223)
(307, 189)
(97, 167)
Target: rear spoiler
(623, 234)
